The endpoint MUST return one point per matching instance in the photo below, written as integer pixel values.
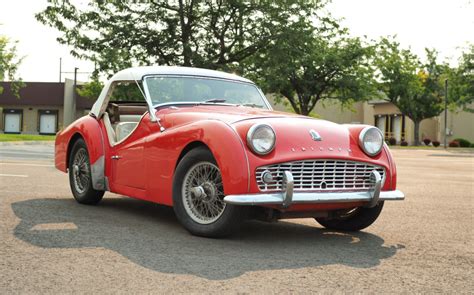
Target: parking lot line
(13, 175)
(25, 164)
(26, 153)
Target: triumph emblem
(315, 135)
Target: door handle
(116, 157)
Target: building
(388, 118)
(43, 107)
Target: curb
(27, 142)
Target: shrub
(427, 141)
(454, 143)
(392, 141)
(404, 143)
(436, 143)
(463, 142)
(472, 145)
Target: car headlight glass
(261, 139)
(371, 140)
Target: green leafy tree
(461, 82)
(416, 88)
(9, 62)
(210, 34)
(309, 63)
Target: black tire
(80, 179)
(355, 220)
(230, 217)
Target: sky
(445, 25)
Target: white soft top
(137, 74)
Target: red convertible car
(209, 144)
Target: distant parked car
(209, 144)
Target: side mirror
(153, 118)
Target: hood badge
(315, 135)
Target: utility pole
(446, 113)
(60, 68)
(74, 93)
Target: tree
(309, 63)
(210, 34)
(461, 82)
(415, 88)
(9, 63)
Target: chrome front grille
(321, 175)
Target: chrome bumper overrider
(288, 197)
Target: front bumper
(288, 197)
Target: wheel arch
(190, 146)
(75, 137)
(88, 129)
(165, 150)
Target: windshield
(171, 89)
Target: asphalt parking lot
(50, 244)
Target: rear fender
(89, 130)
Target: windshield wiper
(252, 105)
(215, 100)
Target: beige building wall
(333, 111)
(329, 109)
(460, 124)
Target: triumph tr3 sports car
(209, 144)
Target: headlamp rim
(362, 136)
(252, 131)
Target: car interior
(121, 119)
(124, 111)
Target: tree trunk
(417, 133)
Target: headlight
(261, 139)
(371, 140)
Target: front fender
(89, 130)
(163, 150)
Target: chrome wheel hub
(80, 171)
(203, 193)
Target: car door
(129, 129)
(127, 163)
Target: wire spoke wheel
(203, 193)
(81, 171)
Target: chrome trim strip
(311, 198)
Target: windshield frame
(266, 105)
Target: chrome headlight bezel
(250, 137)
(363, 141)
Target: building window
(12, 120)
(392, 125)
(47, 122)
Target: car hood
(176, 116)
(292, 130)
